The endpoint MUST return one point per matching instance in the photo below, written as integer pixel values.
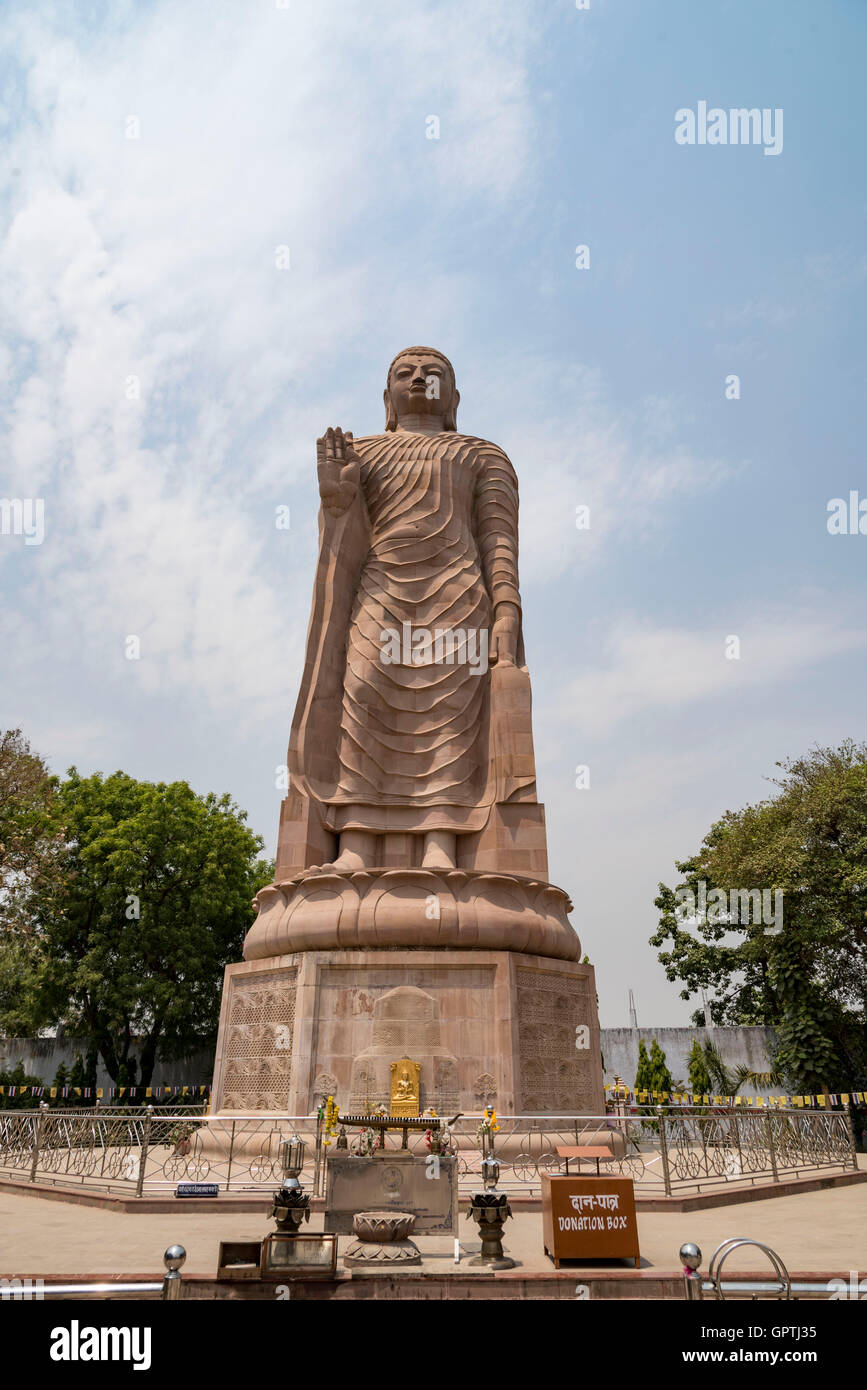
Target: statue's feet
(343, 864)
(315, 869)
(348, 862)
(357, 851)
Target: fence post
(663, 1150)
(690, 1259)
(145, 1145)
(173, 1259)
(853, 1144)
(770, 1131)
(231, 1154)
(37, 1138)
(737, 1131)
(317, 1164)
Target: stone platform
(819, 1234)
(511, 1029)
(236, 1203)
(449, 909)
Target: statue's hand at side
(504, 635)
(339, 469)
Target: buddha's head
(421, 383)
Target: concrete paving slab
(816, 1231)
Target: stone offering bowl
(383, 1226)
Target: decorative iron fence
(671, 1150)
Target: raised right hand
(339, 469)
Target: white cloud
(667, 668)
(154, 258)
(572, 448)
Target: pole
(145, 1145)
(690, 1259)
(770, 1132)
(851, 1128)
(663, 1150)
(37, 1138)
(737, 1131)
(173, 1259)
(317, 1166)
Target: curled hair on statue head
(450, 420)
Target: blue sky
(305, 127)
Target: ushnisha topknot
(450, 422)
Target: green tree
(699, 1076)
(16, 1076)
(652, 1073)
(31, 851)
(77, 1079)
(807, 980)
(128, 943)
(660, 1076)
(91, 1062)
(722, 1080)
(642, 1075)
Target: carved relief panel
(259, 1041)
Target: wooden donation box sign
(589, 1218)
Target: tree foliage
(22, 1081)
(127, 942)
(652, 1073)
(808, 981)
(30, 840)
(699, 1076)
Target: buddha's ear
(390, 413)
(451, 420)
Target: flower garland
(489, 1122)
(331, 1121)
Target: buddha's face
(421, 385)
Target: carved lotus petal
(383, 1226)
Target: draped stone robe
(431, 543)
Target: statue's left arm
(496, 523)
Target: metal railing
(783, 1287)
(667, 1152)
(169, 1287)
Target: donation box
(589, 1218)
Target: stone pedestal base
(516, 1031)
(382, 1240)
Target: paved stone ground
(816, 1231)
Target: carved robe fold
(430, 545)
